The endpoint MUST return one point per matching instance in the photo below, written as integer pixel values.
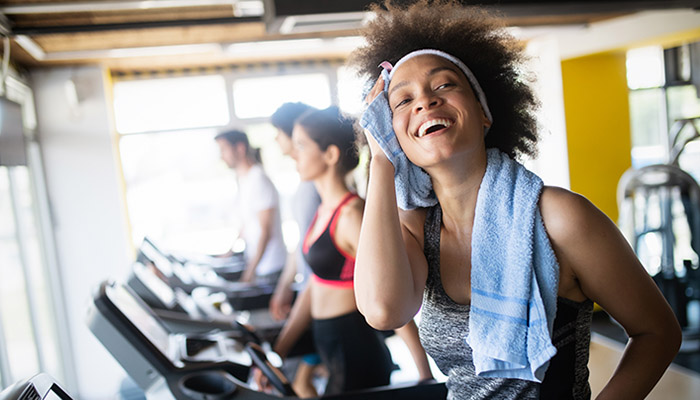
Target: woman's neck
(456, 186)
(332, 189)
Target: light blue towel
(413, 185)
(514, 276)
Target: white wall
(634, 30)
(88, 220)
(552, 163)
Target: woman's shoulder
(352, 210)
(567, 214)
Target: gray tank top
(445, 324)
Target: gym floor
(681, 381)
(688, 357)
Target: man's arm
(266, 218)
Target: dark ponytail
(234, 137)
(330, 127)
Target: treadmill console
(146, 323)
(39, 387)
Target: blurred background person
(257, 204)
(304, 204)
(353, 352)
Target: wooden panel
(151, 37)
(118, 17)
(25, 2)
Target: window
(683, 102)
(31, 339)
(648, 125)
(173, 103)
(17, 324)
(260, 97)
(350, 90)
(662, 99)
(645, 67)
(660, 95)
(645, 78)
(178, 191)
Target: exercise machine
(204, 308)
(660, 216)
(216, 366)
(40, 387)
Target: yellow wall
(597, 125)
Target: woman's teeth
(433, 125)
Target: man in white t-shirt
(257, 204)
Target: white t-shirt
(256, 193)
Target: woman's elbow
(669, 336)
(675, 337)
(383, 318)
(382, 321)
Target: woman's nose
(427, 101)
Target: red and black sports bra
(330, 264)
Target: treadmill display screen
(159, 288)
(53, 395)
(159, 259)
(142, 320)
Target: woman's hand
(281, 303)
(261, 381)
(374, 148)
(376, 90)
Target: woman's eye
(402, 102)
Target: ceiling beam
(103, 6)
(50, 30)
(283, 8)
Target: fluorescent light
(323, 22)
(164, 50)
(274, 46)
(295, 46)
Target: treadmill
(168, 366)
(40, 387)
(188, 276)
(200, 312)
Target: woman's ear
(484, 119)
(332, 154)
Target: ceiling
(178, 33)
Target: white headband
(456, 61)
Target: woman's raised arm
(390, 268)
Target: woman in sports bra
(353, 352)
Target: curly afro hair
(476, 37)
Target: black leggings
(353, 352)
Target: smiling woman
(445, 96)
(505, 269)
